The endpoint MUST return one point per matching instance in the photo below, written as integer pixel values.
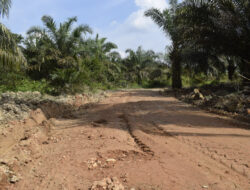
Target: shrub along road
(136, 139)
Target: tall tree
(166, 21)
(10, 54)
(221, 26)
(138, 61)
(55, 47)
(100, 47)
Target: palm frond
(164, 19)
(50, 24)
(10, 53)
(107, 47)
(5, 7)
(68, 24)
(35, 30)
(12, 60)
(78, 31)
(157, 16)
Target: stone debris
(124, 177)
(220, 98)
(107, 184)
(205, 186)
(93, 163)
(197, 95)
(7, 175)
(18, 105)
(111, 160)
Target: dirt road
(147, 141)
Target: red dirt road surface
(145, 140)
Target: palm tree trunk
(176, 69)
(139, 78)
(231, 69)
(245, 72)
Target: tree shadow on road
(170, 113)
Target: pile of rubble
(6, 174)
(107, 184)
(221, 98)
(17, 106)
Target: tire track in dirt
(151, 159)
(137, 140)
(223, 159)
(212, 154)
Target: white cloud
(122, 53)
(138, 20)
(139, 30)
(147, 4)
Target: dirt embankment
(222, 99)
(131, 140)
(17, 106)
(25, 125)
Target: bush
(157, 84)
(19, 82)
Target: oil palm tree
(166, 21)
(99, 47)
(55, 47)
(221, 26)
(99, 58)
(115, 57)
(138, 61)
(10, 54)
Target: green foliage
(167, 21)
(202, 79)
(210, 40)
(61, 60)
(51, 48)
(5, 7)
(12, 81)
(11, 56)
(157, 84)
(140, 64)
(218, 28)
(68, 61)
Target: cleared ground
(147, 141)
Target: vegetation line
(210, 44)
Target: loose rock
(107, 184)
(110, 160)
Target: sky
(121, 21)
